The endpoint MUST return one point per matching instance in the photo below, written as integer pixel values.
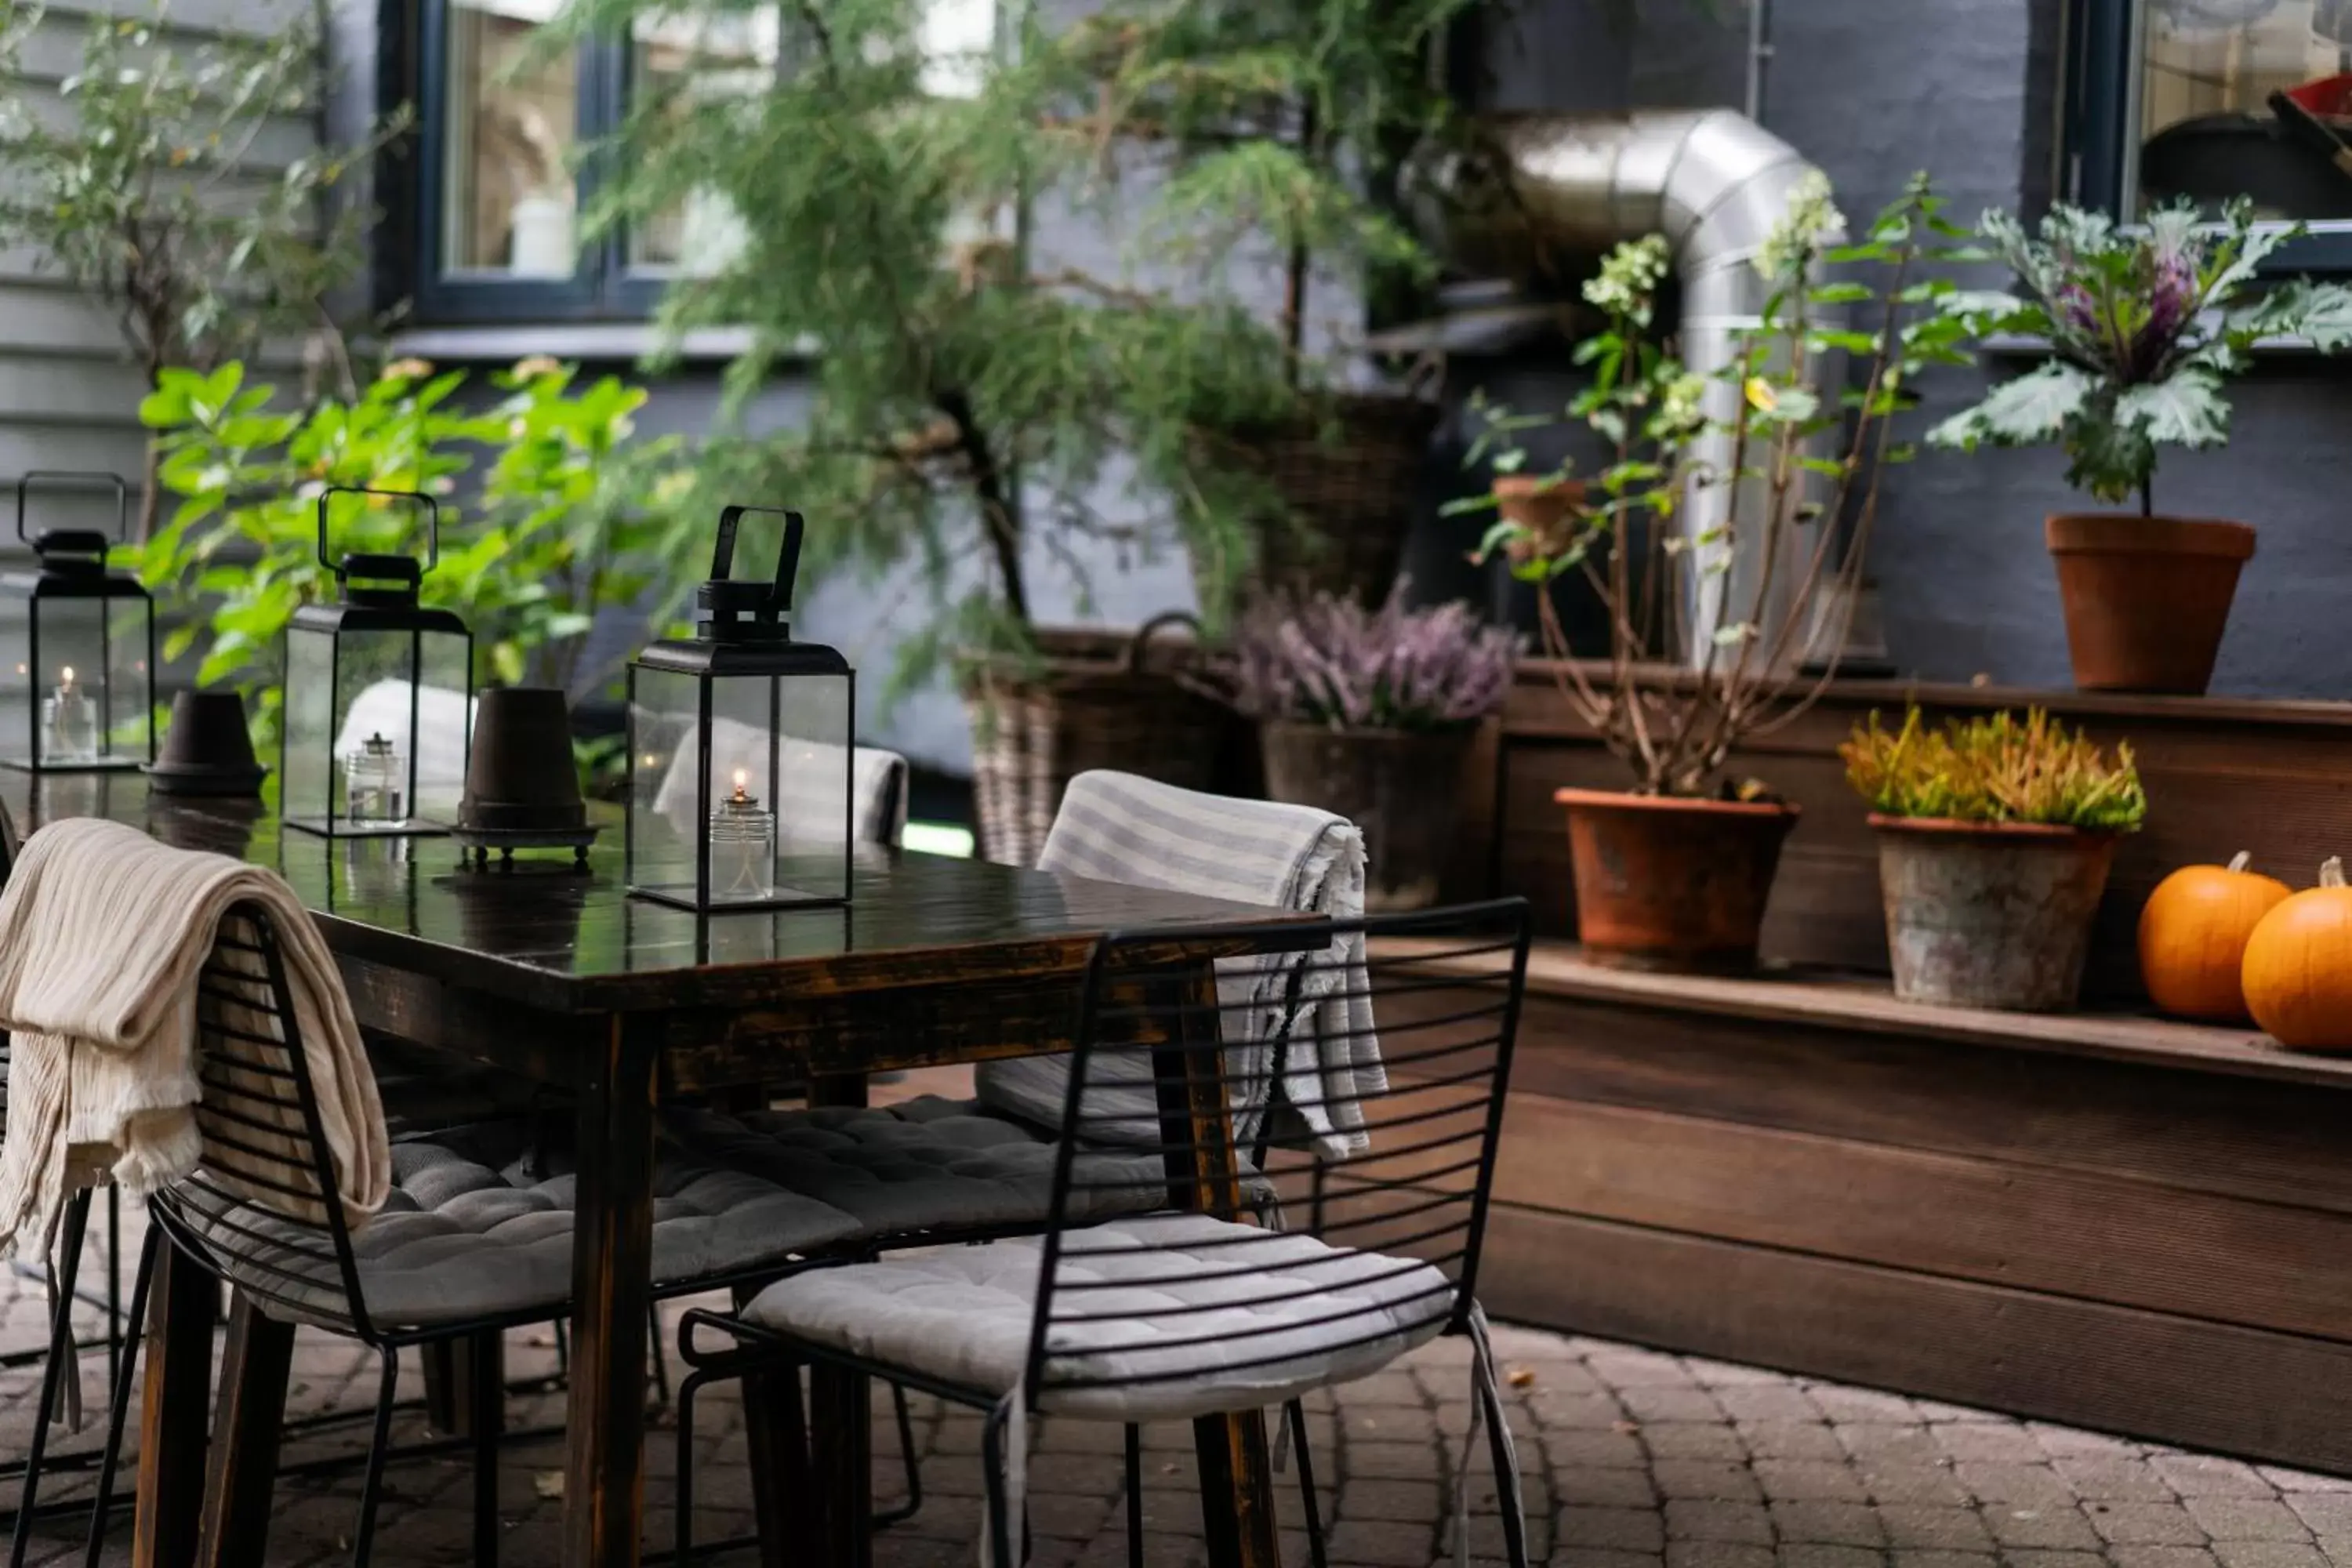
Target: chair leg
(114, 1283)
(991, 1459)
(688, 1386)
(1515, 1524)
(908, 1461)
(661, 1356)
(53, 1366)
(118, 1410)
(1295, 1412)
(1134, 1496)
(487, 1368)
(379, 1450)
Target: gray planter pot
(1989, 914)
(1403, 789)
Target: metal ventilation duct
(1713, 182)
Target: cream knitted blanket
(103, 932)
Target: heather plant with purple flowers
(2145, 325)
(1328, 660)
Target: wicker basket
(1351, 479)
(1103, 699)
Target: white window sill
(504, 344)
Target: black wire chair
(1217, 1300)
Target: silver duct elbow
(1713, 182)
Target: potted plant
(2145, 325)
(1370, 714)
(1994, 838)
(1281, 132)
(1676, 870)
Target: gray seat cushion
(1250, 1317)
(926, 1167)
(460, 1240)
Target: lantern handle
(432, 524)
(76, 478)
(788, 555)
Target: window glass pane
(513, 120)
(694, 59)
(957, 37)
(2246, 96)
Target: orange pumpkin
(2298, 968)
(2192, 938)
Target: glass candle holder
(742, 849)
(376, 778)
(68, 722)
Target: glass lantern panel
(20, 701)
(306, 781)
(664, 804)
(397, 728)
(445, 724)
(87, 661)
(815, 785)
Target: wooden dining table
(553, 972)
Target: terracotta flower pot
(2147, 597)
(1544, 508)
(1989, 914)
(1662, 883)
(1402, 788)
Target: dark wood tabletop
(556, 938)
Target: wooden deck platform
(2102, 1218)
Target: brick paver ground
(1630, 1458)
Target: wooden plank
(2267, 1141)
(2269, 1397)
(2064, 1231)
(181, 1308)
(242, 1465)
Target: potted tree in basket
(1675, 870)
(2144, 327)
(1994, 838)
(1371, 713)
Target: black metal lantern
(379, 696)
(740, 750)
(81, 653)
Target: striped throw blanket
(103, 932)
(1307, 1045)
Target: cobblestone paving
(1630, 1458)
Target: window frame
(602, 286)
(2105, 59)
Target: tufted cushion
(963, 1314)
(932, 1165)
(460, 1240)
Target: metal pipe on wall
(1713, 182)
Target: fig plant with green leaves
(2145, 325)
(1804, 461)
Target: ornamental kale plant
(2145, 325)
(1330, 661)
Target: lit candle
(741, 779)
(69, 722)
(743, 844)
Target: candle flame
(742, 777)
(68, 673)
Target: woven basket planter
(1350, 480)
(1098, 700)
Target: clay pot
(1544, 508)
(2147, 597)
(520, 778)
(207, 750)
(1402, 788)
(1664, 883)
(1989, 914)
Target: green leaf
(2031, 408)
(2186, 410)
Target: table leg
(775, 1440)
(1236, 1466)
(183, 1305)
(841, 1452)
(255, 1365)
(612, 1271)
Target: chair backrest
(1350, 1257)
(9, 846)
(261, 1206)
(1118, 828)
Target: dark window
(498, 180)
(2207, 99)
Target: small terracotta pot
(1664, 883)
(2147, 597)
(1543, 507)
(1989, 914)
